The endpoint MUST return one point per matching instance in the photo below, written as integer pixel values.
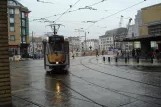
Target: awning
(13, 46)
(140, 38)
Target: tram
(56, 53)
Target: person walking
(102, 52)
(133, 53)
(73, 55)
(97, 53)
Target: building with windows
(108, 40)
(90, 44)
(151, 21)
(74, 43)
(150, 30)
(36, 47)
(18, 28)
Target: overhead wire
(75, 9)
(97, 3)
(115, 14)
(67, 10)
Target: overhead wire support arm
(54, 29)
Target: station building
(150, 29)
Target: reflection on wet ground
(87, 84)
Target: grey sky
(73, 20)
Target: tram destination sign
(56, 39)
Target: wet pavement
(89, 83)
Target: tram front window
(56, 47)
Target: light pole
(79, 30)
(85, 40)
(85, 35)
(33, 50)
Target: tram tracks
(106, 73)
(119, 91)
(31, 102)
(64, 84)
(109, 89)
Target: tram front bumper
(57, 66)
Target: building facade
(106, 42)
(138, 23)
(150, 29)
(132, 31)
(90, 44)
(18, 28)
(36, 47)
(74, 43)
(151, 21)
(111, 37)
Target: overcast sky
(74, 20)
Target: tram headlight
(57, 62)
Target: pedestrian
(97, 53)
(102, 52)
(133, 53)
(117, 53)
(73, 55)
(157, 54)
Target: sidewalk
(131, 61)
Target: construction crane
(121, 20)
(128, 25)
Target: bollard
(104, 59)
(125, 59)
(128, 58)
(116, 59)
(137, 59)
(109, 59)
(151, 59)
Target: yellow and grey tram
(56, 53)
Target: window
(23, 14)
(11, 11)
(24, 39)
(23, 23)
(11, 3)
(23, 31)
(12, 37)
(12, 28)
(12, 20)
